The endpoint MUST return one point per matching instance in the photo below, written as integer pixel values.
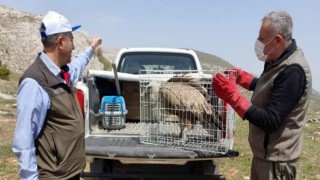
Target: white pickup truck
(114, 141)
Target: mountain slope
(20, 40)
(209, 60)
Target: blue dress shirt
(32, 105)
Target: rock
(314, 120)
(311, 137)
(8, 97)
(4, 113)
(316, 134)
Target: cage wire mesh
(180, 109)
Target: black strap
(265, 144)
(274, 170)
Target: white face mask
(259, 48)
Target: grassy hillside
(315, 101)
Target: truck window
(135, 63)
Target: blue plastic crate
(114, 110)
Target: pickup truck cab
(132, 60)
(116, 151)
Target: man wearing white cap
(49, 134)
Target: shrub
(4, 72)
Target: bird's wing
(192, 81)
(187, 102)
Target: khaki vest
(60, 145)
(285, 143)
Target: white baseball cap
(55, 23)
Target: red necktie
(65, 76)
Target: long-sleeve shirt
(286, 92)
(32, 105)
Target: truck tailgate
(130, 147)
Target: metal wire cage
(180, 109)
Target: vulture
(185, 97)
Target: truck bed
(125, 142)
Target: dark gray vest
(286, 143)
(60, 145)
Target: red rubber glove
(227, 90)
(244, 78)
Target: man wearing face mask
(277, 110)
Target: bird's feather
(185, 97)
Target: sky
(227, 29)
